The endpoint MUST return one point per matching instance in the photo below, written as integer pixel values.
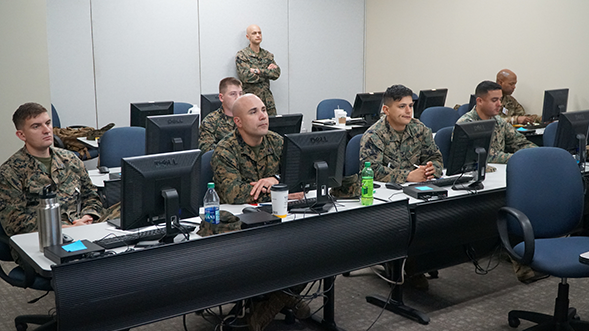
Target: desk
(355, 129)
(98, 179)
(90, 143)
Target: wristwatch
(277, 177)
(256, 71)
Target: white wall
(457, 44)
(24, 68)
(175, 50)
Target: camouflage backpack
(69, 137)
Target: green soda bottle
(367, 185)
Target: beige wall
(24, 65)
(456, 44)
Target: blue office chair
(436, 118)
(325, 108)
(352, 161)
(55, 118)
(25, 277)
(443, 139)
(549, 134)
(182, 107)
(206, 172)
(544, 203)
(463, 110)
(118, 143)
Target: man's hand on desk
(422, 173)
(85, 220)
(262, 186)
(296, 196)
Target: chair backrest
(4, 246)
(436, 118)
(182, 107)
(545, 184)
(463, 109)
(55, 118)
(352, 161)
(549, 134)
(206, 172)
(325, 108)
(443, 139)
(118, 143)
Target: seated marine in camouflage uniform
(400, 148)
(219, 123)
(256, 67)
(513, 112)
(506, 140)
(36, 165)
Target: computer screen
(571, 133)
(368, 106)
(171, 133)
(472, 102)
(469, 150)
(160, 188)
(555, 103)
(283, 124)
(140, 111)
(314, 160)
(430, 98)
(209, 103)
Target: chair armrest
(527, 230)
(58, 142)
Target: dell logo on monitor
(320, 139)
(165, 163)
(175, 121)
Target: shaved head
(507, 79)
(253, 33)
(244, 103)
(504, 74)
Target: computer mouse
(375, 185)
(250, 210)
(67, 239)
(394, 186)
(103, 170)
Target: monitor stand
(480, 172)
(582, 151)
(172, 214)
(324, 203)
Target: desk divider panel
(144, 286)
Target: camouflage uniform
(213, 128)
(513, 108)
(22, 178)
(235, 165)
(506, 140)
(258, 84)
(392, 154)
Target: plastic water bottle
(211, 204)
(367, 185)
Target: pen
(415, 165)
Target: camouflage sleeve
(431, 152)
(514, 141)
(228, 181)
(271, 73)
(206, 139)
(14, 214)
(243, 64)
(372, 150)
(91, 204)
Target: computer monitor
(283, 124)
(572, 132)
(469, 150)
(209, 103)
(171, 133)
(368, 106)
(140, 111)
(160, 188)
(472, 102)
(314, 160)
(429, 98)
(555, 103)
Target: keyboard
(446, 181)
(352, 121)
(295, 204)
(535, 126)
(133, 238)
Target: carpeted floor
(459, 299)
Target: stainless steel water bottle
(49, 219)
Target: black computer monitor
(160, 188)
(430, 98)
(555, 103)
(140, 111)
(469, 150)
(283, 124)
(572, 132)
(171, 133)
(209, 103)
(368, 106)
(314, 160)
(472, 102)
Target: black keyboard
(295, 204)
(447, 181)
(133, 238)
(535, 126)
(353, 121)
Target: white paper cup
(340, 116)
(279, 194)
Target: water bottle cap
(367, 164)
(47, 192)
(211, 185)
